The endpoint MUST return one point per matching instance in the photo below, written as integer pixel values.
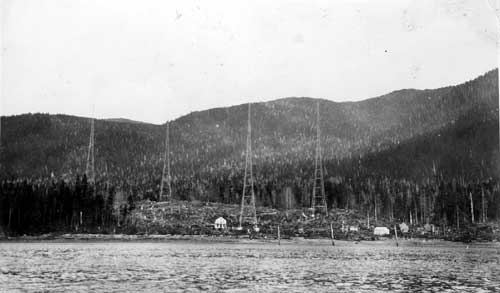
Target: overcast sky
(157, 60)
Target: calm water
(194, 266)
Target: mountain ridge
(214, 139)
(130, 120)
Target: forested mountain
(37, 145)
(405, 138)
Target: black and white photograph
(249, 146)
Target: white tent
(220, 223)
(381, 231)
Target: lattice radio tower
(165, 177)
(90, 168)
(318, 203)
(248, 213)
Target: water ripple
(237, 267)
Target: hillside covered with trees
(419, 152)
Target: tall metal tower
(318, 202)
(165, 177)
(248, 213)
(90, 169)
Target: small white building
(404, 228)
(220, 223)
(381, 231)
(353, 229)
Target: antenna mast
(318, 203)
(166, 178)
(90, 168)
(248, 213)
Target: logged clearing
(184, 217)
(198, 218)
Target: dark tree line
(40, 206)
(32, 207)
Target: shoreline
(110, 238)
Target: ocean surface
(242, 267)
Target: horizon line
(260, 102)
